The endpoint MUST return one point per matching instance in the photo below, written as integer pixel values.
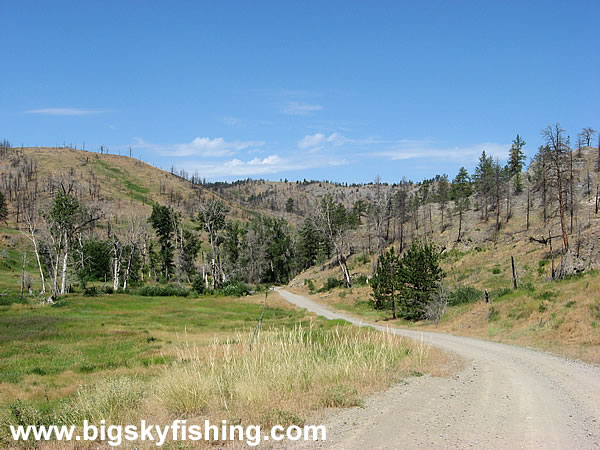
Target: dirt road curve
(506, 397)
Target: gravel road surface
(505, 397)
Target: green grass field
(43, 348)
(124, 357)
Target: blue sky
(338, 90)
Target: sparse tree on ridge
(587, 135)
(460, 194)
(483, 180)
(558, 145)
(516, 159)
(540, 165)
(442, 197)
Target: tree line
(73, 240)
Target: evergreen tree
(419, 276)
(483, 179)
(385, 280)
(405, 285)
(289, 205)
(460, 193)
(162, 221)
(3, 208)
(516, 159)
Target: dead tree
(554, 136)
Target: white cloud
(64, 111)
(257, 166)
(300, 108)
(316, 142)
(424, 150)
(200, 146)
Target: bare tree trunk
(571, 192)
(23, 275)
(116, 265)
(345, 272)
(514, 272)
(508, 202)
(528, 202)
(63, 284)
(31, 236)
(561, 204)
(551, 253)
(128, 269)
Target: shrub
(198, 285)
(331, 283)
(10, 299)
(499, 293)
(363, 259)
(91, 291)
(163, 291)
(234, 289)
(547, 295)
(311, 285)
(464, 294)
(360, 280)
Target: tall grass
(276, 376)
(296, 370)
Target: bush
(91, 291)
(10, 299)
(331, 283)
(360, 280)
(311, 285)
(464, 294)
(363, 259)
(499, 293)
(163, 291)
(199, 286)
(234, 289)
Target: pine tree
(3, 208)
(483, 179)
(162, 221)
(419, 276)
(460, 193)
(516, 159)
(385, 280)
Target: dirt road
(506, 397)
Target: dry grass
(278, 376)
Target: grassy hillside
(126, 184)
(561, 316)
